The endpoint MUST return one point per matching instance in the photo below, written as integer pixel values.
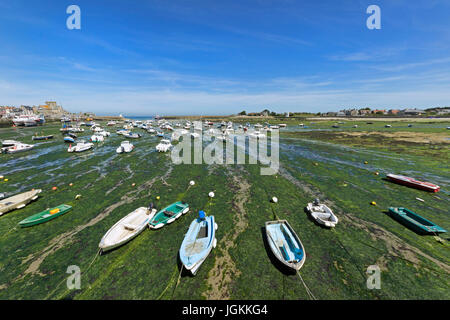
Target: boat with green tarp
(168, 215)
(45, 215)
(415, 222)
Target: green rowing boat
(168, 214)
(45, 216)
(414, 221)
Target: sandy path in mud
(224, 271)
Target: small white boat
(285, 244)
(131, 135)
(20, 147)
(97, 138)
(322, 214)
(198, 242)
(18, 201)
(164, 146)
(194, 135)
(104, 133)
(9, 143)
(388, 126)
(111, 123)
(151, 130)
(122, 131)
(80, 146)
(125, 146)
(126, 228)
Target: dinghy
(322, 214)
(198, 242)
(126, 228)
(125, 146)
(414, 221)
(168, 215)
(45, 216)
(18, 201)
(285, 244)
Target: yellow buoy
(365, 162)
(157, 198)
(373, 203)
(6, 180)
(78, 196)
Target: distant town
(51, 111)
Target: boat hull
(175, 210)
(414, 221)
(45, 216)
(285, 244)
(18, 201)
(410, 182)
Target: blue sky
(221, 57)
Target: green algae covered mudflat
(45, 215)
(338, 166)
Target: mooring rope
(168, 284)
(57, 286)
(308, 291)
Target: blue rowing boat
(198, 242)
(285, 244)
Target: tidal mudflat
(342, 166)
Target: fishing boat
(198, 242)
(48, 137)
(18, 201)
(411, 182)
(81, 146)
(414, 221)
(164, 146)
(285, 244)
(168, 215)
(322, 214)
(126, 228)
(125, 146)
(20, 147)
(69, 139)
(45, 216)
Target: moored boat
(414, 221)
(80, 146)
(45, 216)
(20, 147)
(48, 137)
(126, 228)
(198, 242)
(411, 182)
(285, 244)
(168, 215)
(322, 214)
(18, 201)
(125, 146)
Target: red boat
(411, 182)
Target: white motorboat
(9, 143)
(19, 147)
(125, 146)
(18, 201)
(126, 228)
(164, 146)
(97, 138)
(322, 214)
(80, 146)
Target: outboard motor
(316, 202)
(202, 215)
(151, 206)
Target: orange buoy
(70, 184)
(55, 188)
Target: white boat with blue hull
(285, 244)
(198, 242)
